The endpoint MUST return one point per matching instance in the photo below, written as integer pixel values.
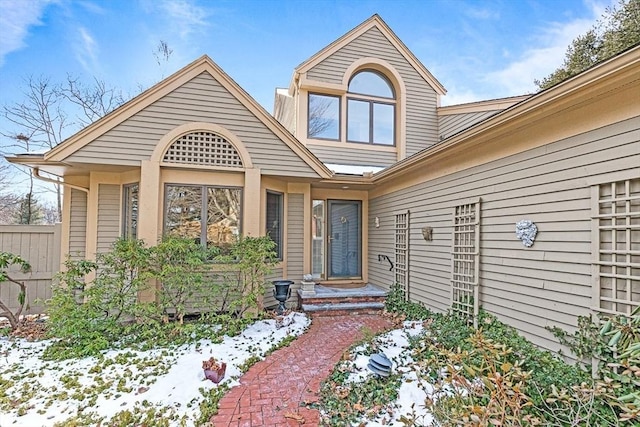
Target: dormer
(364, 100)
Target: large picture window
(209, 215)
(130, 211)
(324, 117)
(370, 109)
(275, 219)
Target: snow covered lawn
(35, 393)
(170, 383)
(409, 407)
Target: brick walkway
(291, 376)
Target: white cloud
(544, 56)
(455, 97)
(481, 13)
(16, 18)
(86, 50)
(186, 16)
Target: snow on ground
(413, 391)
(46, 392)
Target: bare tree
(8, 199)
(43, 117)
(322, 115)
(162, 54)
(95, 101)
(42, 122)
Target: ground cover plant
(163, 385)
(446, 373)
(110, 358)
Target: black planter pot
(281, 293)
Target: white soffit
(353, 169)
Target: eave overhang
(614, 74)
(203, 64)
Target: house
(360, 176)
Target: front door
(344, 246)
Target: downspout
(36, 173)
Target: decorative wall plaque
(526, 231)
(427, 233)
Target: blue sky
(476, 49)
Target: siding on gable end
(548, 284)
(454, 123)
(352, 156)
(77, 224)
(108, 216)
(202, 99)
(421, 119)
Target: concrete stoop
(329, 301)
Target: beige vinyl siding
(352, 156)
(548, 284)
(202, 99)
(77, 224)
(108, 216)
(295, 242)
(421, 120)
(40, 246)
(453, 123)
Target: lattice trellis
(203, 148)
(465, 261)
(401, 266)
(616, 246)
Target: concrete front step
(330, 301)
(341, 309)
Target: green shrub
(397, 302)
(244, 272)
(178, 265)
(614, 343)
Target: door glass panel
(317, 244)
(344, 260)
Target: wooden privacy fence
(40, 246)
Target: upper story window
(324, 117)
(371, 106)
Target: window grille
(402, 252)
(465, 261)
(616, 246)
(203, 148)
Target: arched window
(371, 109)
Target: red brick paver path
(292, 375)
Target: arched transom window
(203, 148)
(371, 109)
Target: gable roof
(616, 73)
(374, 21)
(166, 86)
